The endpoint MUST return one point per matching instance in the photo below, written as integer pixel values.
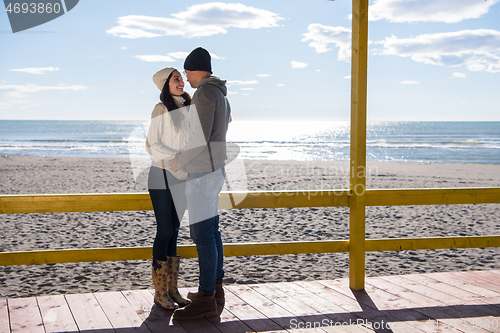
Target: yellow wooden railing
(67, 203)
(356, 198)
(59, 203)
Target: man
(204, 159)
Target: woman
(167, 136)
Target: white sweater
(164, 140)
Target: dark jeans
(167, 195)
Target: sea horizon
(313, 140)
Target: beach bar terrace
(430, 299)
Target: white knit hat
(160, 77)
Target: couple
(187, 139)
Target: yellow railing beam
(65, 203)
(431, 243)
(245, 249)
(185, 251)
(278, 248)
(359, 63)
(97, 202)
(101, 202)
(447, 196)
(285, 199)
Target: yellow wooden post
(357, 201)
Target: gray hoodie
(213, 111)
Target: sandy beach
(44, 175)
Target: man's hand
(175, 163)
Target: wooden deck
(469, 301)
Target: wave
(386, 141)
(468, 142)
(72, 140)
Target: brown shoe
(202, 306)
(219, 293)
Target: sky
(429, 60)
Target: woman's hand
(174, 163)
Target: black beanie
(198, 60)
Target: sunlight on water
(279, 131)
(290, 140)
(454, 142)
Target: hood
(214, 80)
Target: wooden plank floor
(439, 302)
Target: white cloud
(17, 103)
(409, 82)
(280, 85)
(263, 75)
(125, 32)
(322, 35)
(155, 58)
(476, 50)
(247, 88)
(18, 91)
(241, 83)
(297, 64)
(232, 93)
(448, 11)
(174, 56)
(124, 48)
(197, 21)
(347, 77)
(214, 56)
(458, 75)
(36, 70)
(180, 55)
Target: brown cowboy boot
(202, 306)
(159, 274)
(219, 293)
(172, 278)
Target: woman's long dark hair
(167, 100)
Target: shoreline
(253, 159)
(36, 175)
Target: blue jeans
(167, 195)
(202, 194)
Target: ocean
(438, 142)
